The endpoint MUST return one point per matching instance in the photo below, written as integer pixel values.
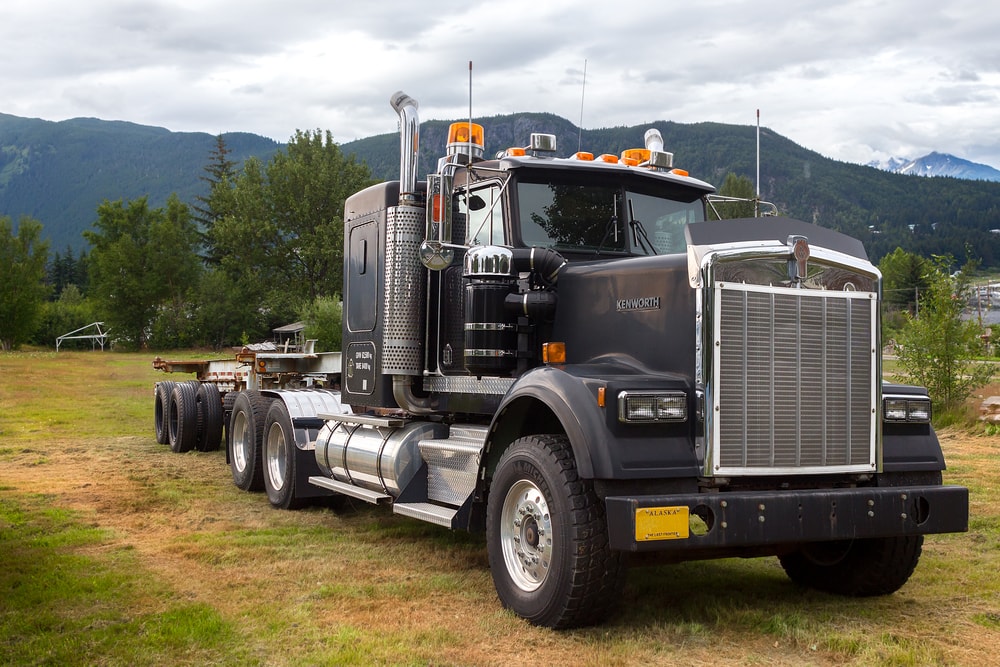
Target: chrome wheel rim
(276, 456)
(526, 535)
(240, 430)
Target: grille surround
(794, 381)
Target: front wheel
(858, 568)
(547, 537)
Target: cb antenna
(470, 113)
(583, 92)
(756, 203)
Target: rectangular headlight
(651, 407)
(896, 409)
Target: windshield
(603, 219)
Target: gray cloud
(851, 80)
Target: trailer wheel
(210, 410)
(183, 417)
(247, 429)
(161, 410)
(858, 568)
(547, 537)
(279, 457)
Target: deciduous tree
(23, 257)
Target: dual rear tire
(188, 415)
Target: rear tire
(183, 417)
(279, 453)
(210, 410)
(547, 537)
(857, 568)
(161, 410)
(245, 438)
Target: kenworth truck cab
(565, 353)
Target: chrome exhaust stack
(409, 140)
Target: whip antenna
(470, 113)
(583, 92)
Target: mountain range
(59, 172)
(939, 164)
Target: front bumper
(762, 518)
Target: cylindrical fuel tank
(373, 457)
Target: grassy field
(115, 551)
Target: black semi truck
(565, 353)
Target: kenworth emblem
(798, 266)
(641, 303)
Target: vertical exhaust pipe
(409, 139)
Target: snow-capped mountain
(939, 164)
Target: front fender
(552, 399)
(547, 400)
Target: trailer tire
(279, 455)
(183, 417)
(210, 413)
(245, 438)
(547, 537)
(161, 411)
(856, 568)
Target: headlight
(914, 410)
(651, 407)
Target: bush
(323, 318)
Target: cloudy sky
(855, 81)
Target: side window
(485, 215)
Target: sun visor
(706, 237)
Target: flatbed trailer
(264, 404)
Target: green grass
(71, 597)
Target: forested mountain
(60, 172)
(922, 215)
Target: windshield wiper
(639, 237)
(611, 226)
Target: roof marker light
(461, 134)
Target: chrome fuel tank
(378, 458)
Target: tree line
(263, 248)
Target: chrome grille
(794, 381)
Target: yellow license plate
(661, 523)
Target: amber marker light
(679, 172)
(458, 133)
(600, 397)
(635, 156)
(608, 157)
(515, 152)
(554, 353)
(584, 155)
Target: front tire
(245, 439)
(547, 537)
(279, 453)
(857, 568)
